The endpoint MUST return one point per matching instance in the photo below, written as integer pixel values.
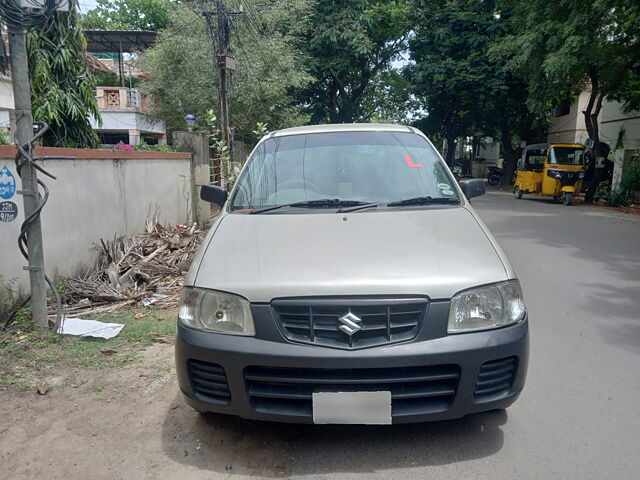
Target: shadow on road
(581, 243)
(617, 308)
(221, 443)
(583, 231)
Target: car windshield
(366, 167)
(567, 156)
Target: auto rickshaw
(552, 169)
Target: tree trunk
(600, 150)
(333, 110)
(451, 150)
(510, 156)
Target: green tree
(62, 85)
(452, 76)
(151, 15)
(183, 78)
(348, 44)
(389, 99)
(563, 48)
(514, 123)
(462, 86)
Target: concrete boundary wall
(98, 194)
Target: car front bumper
(436, 379)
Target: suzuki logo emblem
(350, 324)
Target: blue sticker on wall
(8, 211)
(7, 183)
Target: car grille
(495, 378)
(209, 382)
(414, 390)
(382, 321)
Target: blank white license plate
(362, 408)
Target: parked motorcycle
(457, 172)
(494, 176)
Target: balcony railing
(122, 99)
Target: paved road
(579, 415)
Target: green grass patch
(26, 352)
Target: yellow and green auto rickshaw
(552, 169)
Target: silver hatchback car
(347, 279)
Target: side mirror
(213, 194)
(473, 187)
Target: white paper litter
(149, 301)
(89, 328)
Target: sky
(86, 5)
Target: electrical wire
(34, 15)
(261, 36)
(25, 157)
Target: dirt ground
(125, 422)
(130, 422)
(111, 409)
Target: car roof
(538, 146)
(544, 146)
(343, 127)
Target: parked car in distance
(347, 279)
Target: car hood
(435, 252)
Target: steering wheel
(299, 182)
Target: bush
(630, 181)
(145, 147)
(603, 191)
(11, 297)
(617, 199)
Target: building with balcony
(126, 113)
(126, 118)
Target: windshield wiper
(321, 203)
(422, 201)
(357, 207)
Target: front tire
(518, 193)
(567, 199)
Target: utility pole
(220, 33)
(223, 49)
(30, 194)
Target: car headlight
(216, 312)
(580, 174)
(483, 308)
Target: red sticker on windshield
(410, 163)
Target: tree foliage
(463, 87)
(184, 79)
(62, 85)
(348, 44)
(389, 99)
(151, 15)
(452, 76)
(564, 48)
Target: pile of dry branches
(148, 268)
